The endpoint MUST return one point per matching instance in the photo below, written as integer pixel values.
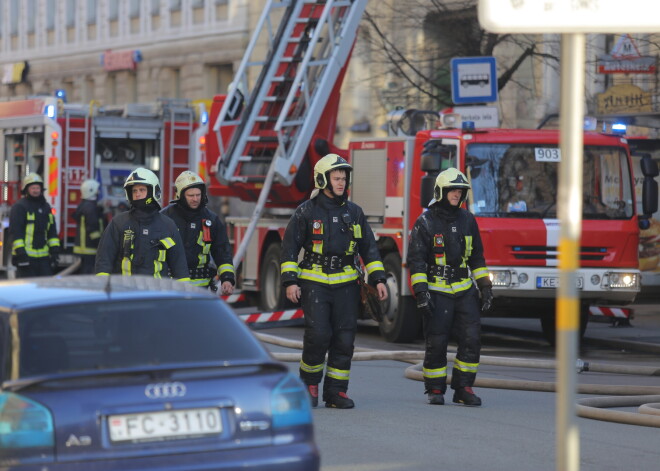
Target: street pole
(571, 125)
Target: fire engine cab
(69, 143)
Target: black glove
(21, 259)
(486, 298)
(424, 303)
(54, 258)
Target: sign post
(572, 19)
(473, 80)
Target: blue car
(135, 373)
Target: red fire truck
(68, 143)
(275, 135)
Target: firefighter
(334, 233)
(35, 247)
(142, 241)
(90, 220)
(445, 254)
(204, 235)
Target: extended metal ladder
(296, 75)
(295, 78)
(181, 118)
(77, 164)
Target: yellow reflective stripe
(338, 374)
(168, 242)
(84, 251)
(311, 368)
(83, 234)
(468, 246)
(38, 253)
(158, 266)
(434, 373)
(54, 242)
(357, 231)
(225, 268)
(103, 274)
(126, 266)
(451, 288)
(418, 278)
(319, 276)
(317, 247)
(199, 281)
(94, 235)
(18, 243)
(373, 266)
(162, 256)
(184, 279)
(480, 273)
(466, 367)
(289, 267)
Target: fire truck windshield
(520, 180)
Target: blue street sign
(473, 80)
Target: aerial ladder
(308, 45)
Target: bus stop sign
(473, 80)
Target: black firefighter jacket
(204, 237)
(442, 237)
(89, 216)
(32, 228)
(139, 242)
(329, 227)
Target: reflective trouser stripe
(311, 368)
(435, 373)
(338, 374)
(465, 367)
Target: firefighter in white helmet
(446, 258)
(142, 241)
(204, 235)
(333, 232)
(35, 246)
(90, 224)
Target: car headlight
(500, 277)
(623, 280)
(26, 430)
(290, 403)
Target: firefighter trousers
(39, 266)
(330, 326)
(461, 317)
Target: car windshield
(130, 334)
(520, 180)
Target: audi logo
(165, 390)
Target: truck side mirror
(649, 186)
(426, 191)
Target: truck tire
(271, 293)
(549, 326)
(401, 321)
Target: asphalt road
(393, 428)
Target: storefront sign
(120, 60)
(624, 99)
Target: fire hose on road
(646, 398)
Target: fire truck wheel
(401, 321)
(549, 327)
(271, 293)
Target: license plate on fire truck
(175, 424)
(552, 282)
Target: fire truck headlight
(622, 280)
(500, 277)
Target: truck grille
(542, 252)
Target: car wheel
(401, 321)
(271, 293)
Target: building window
(70, 13)
(197, 3)
(155, 7)
(217, 79)
(113, 10)
(13, 17)
(50, 15)
(221, 2)
(91, 12)
(31, 7)
(134, 9)
(175, 5)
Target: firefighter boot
(466, 396)
(436, 397)
(339, 401)
(313, 390)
